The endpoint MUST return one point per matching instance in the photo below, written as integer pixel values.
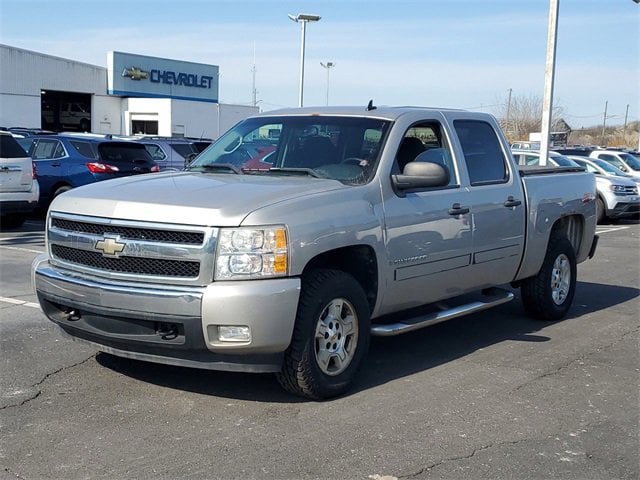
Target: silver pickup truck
(300, 233)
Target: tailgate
(16, 169)
(129, 157)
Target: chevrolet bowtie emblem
(135, 73)
(110, 246)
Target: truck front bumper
(173, 325)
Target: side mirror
(420, 175)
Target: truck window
(483, 155)
(425, 137)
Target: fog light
(234, 333)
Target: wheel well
(359, 261)
(571, 228)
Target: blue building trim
(123, 93)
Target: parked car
(66, 161)
(617, 192)
(168, 152)
(624, 161)
(532, 157)
(604, 167)
(19, 189)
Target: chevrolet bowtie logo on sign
(110, 247)
(135, 73)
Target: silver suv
(617, 192)
(19, 190)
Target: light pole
(328, 66)
(303, 19)
(549, 74)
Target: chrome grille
(192, 238)
(144, 266)
(146, 252)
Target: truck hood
(188, 198)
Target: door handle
(512, 202)
(456, 209)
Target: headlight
(246, 253)
(617, 188)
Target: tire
(330, 337)
(59, 190)
(12, 220)
(84, 125)
(600, 211)
(549, 294)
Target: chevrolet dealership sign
(141, 76)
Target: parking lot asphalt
(494, 395)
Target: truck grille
(144, 266)
(192, 238)
(133, 251)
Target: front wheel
(549, 294)
(330, 338)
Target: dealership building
(134, 94)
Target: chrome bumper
(174, 325)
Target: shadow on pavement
(389, 358)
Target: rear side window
(10, 148)
(84, 148)
(183, 149)
(483, 155)
(46, 149)
(155, 151)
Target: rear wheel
(600, 210)
(330, 338)
(549, 294)
(62, 189)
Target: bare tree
(523, 115)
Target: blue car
(66, 161)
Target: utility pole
(549, 74)
(508, 112)
(624, 131)
(604, 123)
(254, 92)
(328, 66)
(303, 19)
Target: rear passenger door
(49, 156)
(498, 203)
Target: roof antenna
(371, 106)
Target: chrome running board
(491, 298)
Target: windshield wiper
(217, 166)
(297, 171)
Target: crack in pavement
(481, 448)
(575, 360)
(37, 384)
(454, 459)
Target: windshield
(339, 148)
(562, 161)
(631, 161)
(607, 167)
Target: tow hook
(72, 315)
(167, 331)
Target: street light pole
(549, 74)
(303, 19)
(328, 66)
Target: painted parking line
(20, 249)
(610, 229)
(15, 301)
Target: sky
(440, 53)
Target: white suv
(626, 162)
(19, 189)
